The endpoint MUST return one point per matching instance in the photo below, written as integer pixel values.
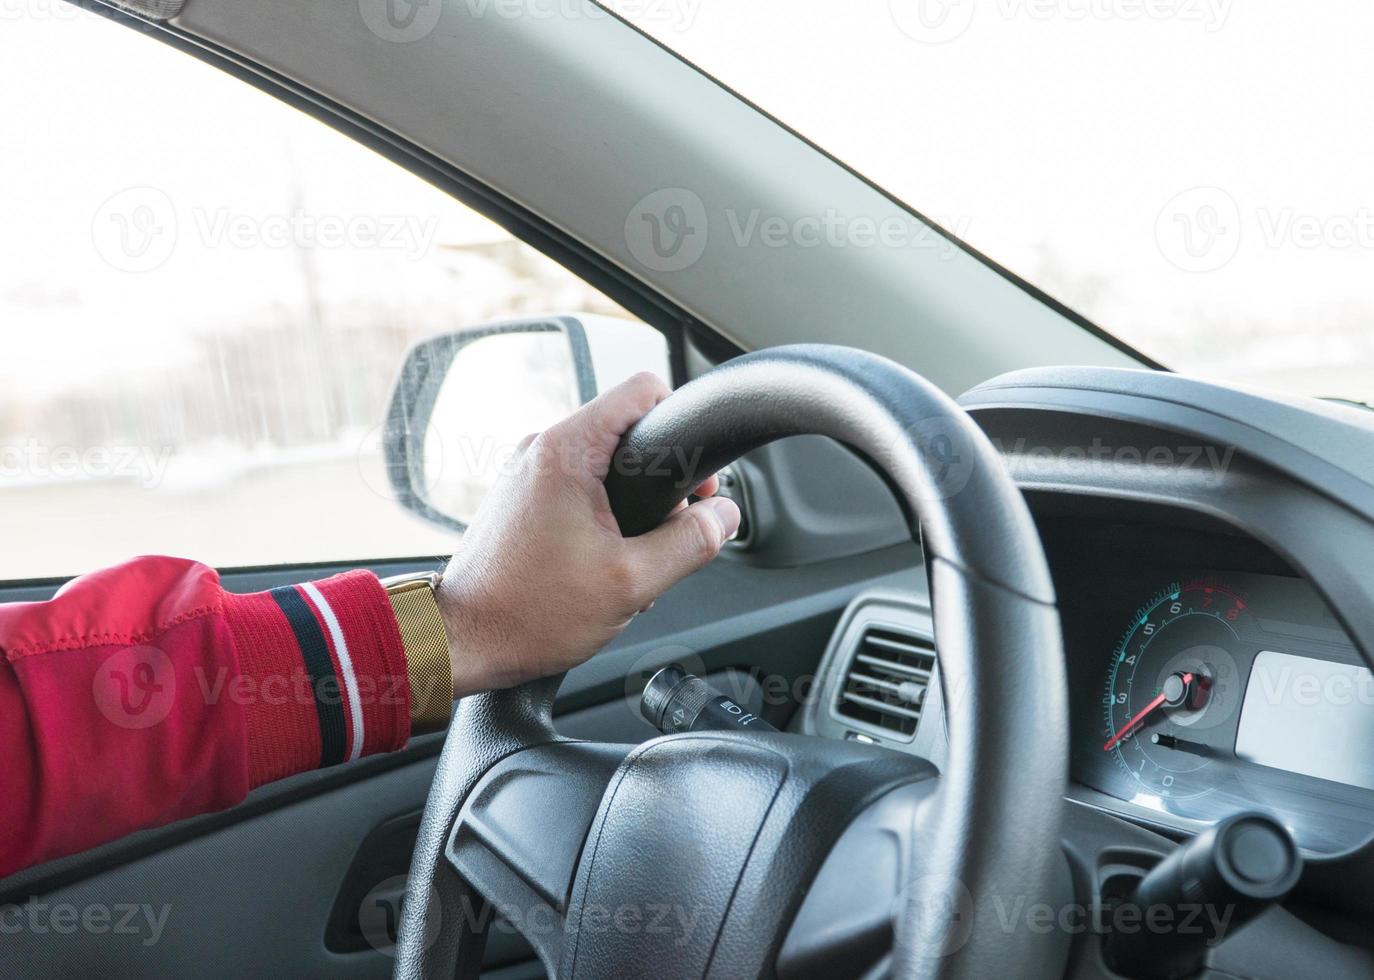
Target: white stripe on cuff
(355, 704)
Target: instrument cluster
(1207, 679)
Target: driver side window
(208, 297)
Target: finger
(593, 432)
(684, 543)
(609, 416)
(707, 489)
(709, 486)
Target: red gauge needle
(1162, 698)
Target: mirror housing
(464, 400)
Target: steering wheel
(718, 837)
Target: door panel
(252, 891)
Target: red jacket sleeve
(145, 693)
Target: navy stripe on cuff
(319, 667)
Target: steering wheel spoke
(517, 840)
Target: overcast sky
(1080, 141)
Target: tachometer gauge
(1173, 686)
(1222, 693)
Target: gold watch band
(427, 651)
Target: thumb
(684, 543)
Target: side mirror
(464, 400)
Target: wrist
(470, 664)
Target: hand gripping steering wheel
(717, 837)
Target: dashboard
(1213, 556)
(1212, 551)
(1206, 677)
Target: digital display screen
(1311, 717)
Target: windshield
(1191, 175)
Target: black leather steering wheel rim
(993, 844)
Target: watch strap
(427, 649)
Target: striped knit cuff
(322, 674)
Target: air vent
(885, 685)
